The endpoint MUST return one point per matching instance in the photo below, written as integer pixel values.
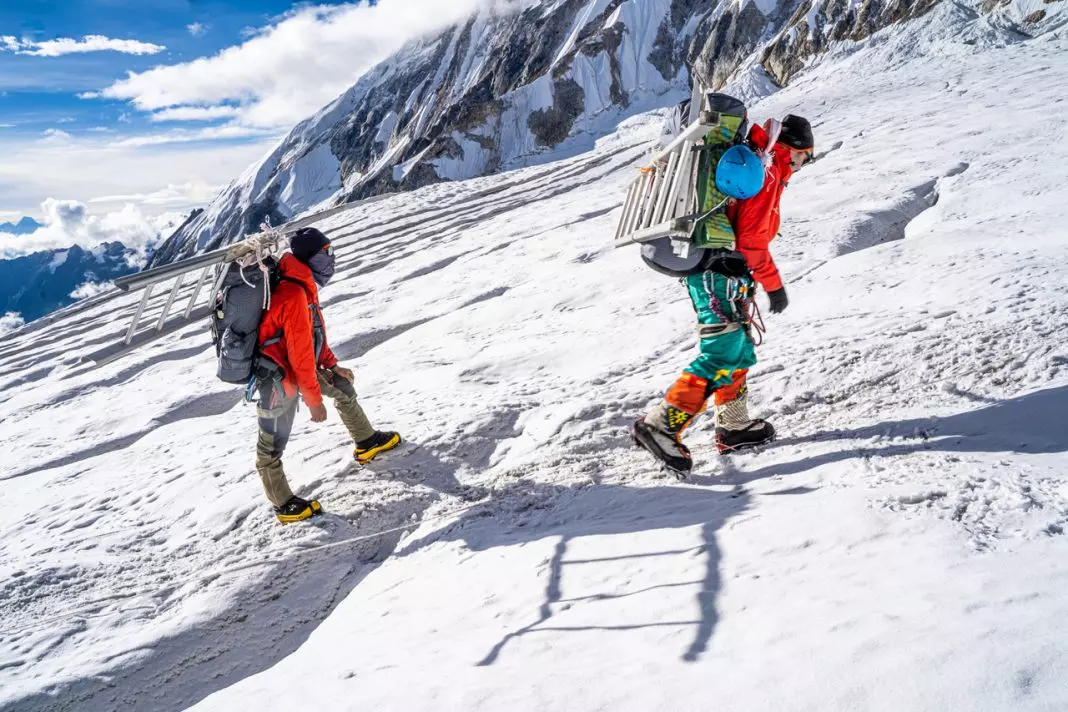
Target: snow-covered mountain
(541, 80)
(34, 285)
(25, 226)
(35, 280)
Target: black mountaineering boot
(666, 447)
(297, 509)
(756, 433)
(382, 440)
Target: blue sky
(159, 104)
(40, 93)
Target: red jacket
(294, 303)
(756, 220)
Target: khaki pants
(276, 414)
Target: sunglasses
(328, 249)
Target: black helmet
(796, 133)
(306, 242)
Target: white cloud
(213, 133)
(68, 45)
(90, 289)
(191, 193)
(196, 113)
(92, 166)
(56, 136)
(293, 68)
(9, 322)
(68, 222)
(197, 29)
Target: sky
(160, 104)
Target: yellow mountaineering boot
(382, 440)
(297, 510)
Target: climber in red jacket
(756, 223)
(295, 358)
(719, 295)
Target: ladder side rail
(196, 292)
(156, 274)
(635, 199)
(137, 314)
(678, 196)
(626, 209)
(628, 219)
(217, 284)
(691, 203)
(694, 132)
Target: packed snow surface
(901, 547)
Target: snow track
(907, 526)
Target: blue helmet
(740, 173)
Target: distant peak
(25, 226)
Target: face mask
(322, 266)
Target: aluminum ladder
(210, 268)
(662, 201)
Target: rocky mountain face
(36, 284)
(535, 81)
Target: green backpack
(713, 228)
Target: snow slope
(899, 548)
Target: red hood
(758, 139)
(292, 268)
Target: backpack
(243, 298)
(725, 169)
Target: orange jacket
(756, 220)
(294, 304)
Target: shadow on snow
(1028, 424)
(600, 510)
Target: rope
(262, 246)
(756, 320)
(699, 217)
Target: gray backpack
(239, 307)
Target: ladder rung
(668, 228)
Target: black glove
(778, 300)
